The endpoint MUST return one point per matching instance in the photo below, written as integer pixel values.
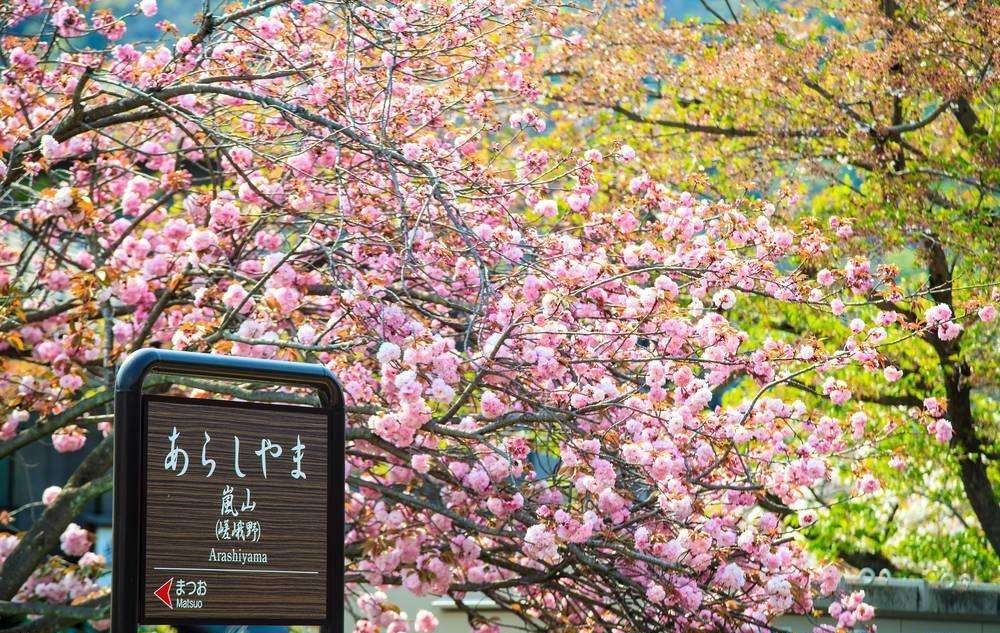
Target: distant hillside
(183, 14)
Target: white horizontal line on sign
(237, 571)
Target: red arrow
(163, 593)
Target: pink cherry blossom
(892, 374)
(868, 484)
(724, 299)
(546, 208)
(837, 390)
(935, 407)
(421, 463)
(938, 314)
(92, 559)
(490, 405)
(202, 239)
(540, 543)
(940, 429)
(425, 622)
(50, 494)
(376, 197)
(69, 439)
(731, 577)
(412, 151)
(75, 541)
(72, 382)
(656, 593)
(388, 352)
(949, 330)
(306, 334)
(578, 201)
(626, 153)
(234, 297)
(14, 420)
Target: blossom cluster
(552, 397)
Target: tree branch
(55, 422)
(83, 485)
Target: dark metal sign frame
(129, 488)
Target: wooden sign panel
(234, 522)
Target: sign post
(227, 512)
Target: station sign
(227, 512)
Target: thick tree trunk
(956, 373)
(975, 480)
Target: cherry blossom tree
(879, 111)
(536, 363)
